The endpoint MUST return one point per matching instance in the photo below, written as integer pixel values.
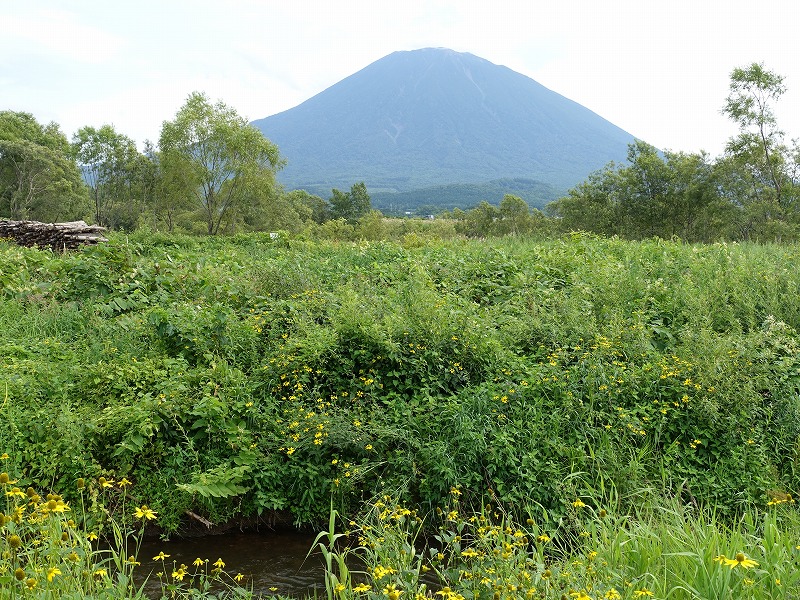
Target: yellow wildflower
(144, 512)
(740, 560)
(15, 492)
(379, 572)
(392, 592)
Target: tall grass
(665, 549)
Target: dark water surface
(271, 559)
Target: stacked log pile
(58, 236)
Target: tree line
(211, 172)
(751, 192)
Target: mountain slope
(434, 116)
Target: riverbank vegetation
(608, 395)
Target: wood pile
(58, 236)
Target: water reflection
(274, 559)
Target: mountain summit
(435, 116)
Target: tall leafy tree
(644, 191)
(38, 176)
(768, 166)
(592, 205)
(515, 216)
(217, 156)
(753, 92)
(696, 209)
(351, 205)
(114, 171)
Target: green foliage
(38, 177)
(766, 164)
(236, 376)
(117, 175)
(512, 217)
(219, 482)
(352, 205)
(223, 163)
(665, 194)
(49, 549)
(749, 193)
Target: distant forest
(435, 200)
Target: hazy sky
(660, 70)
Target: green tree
(115, 173)
(352, 205)
(767, 165)
(696, 210)
(169, 201)
(39, 179)
(591, 205)
(760, 144)
(221, 162)
(478, 221)
(303, 202)
(372, 226)
(656, 193)
(515, 216)
(644, 192)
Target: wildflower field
(576, 417)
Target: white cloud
(57, 35)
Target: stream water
(274, 562)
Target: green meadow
(577, 417)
